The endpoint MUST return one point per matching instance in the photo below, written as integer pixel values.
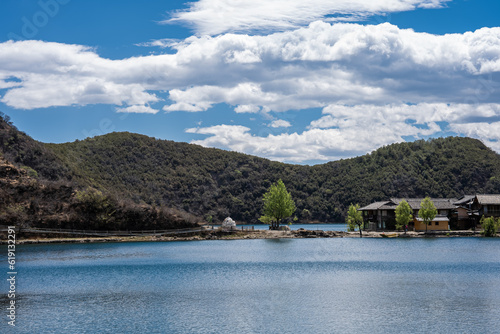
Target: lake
(339, 285)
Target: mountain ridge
(214, 183)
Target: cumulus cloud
(139, 109)
(341, 63)
(309, 67)
(313, 144)
(280, 123)
(346, 131)
(395, 82)
(488, 133)
(212, 17)
(55, 74)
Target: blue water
(341, 285)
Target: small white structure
(228, 224)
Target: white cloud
(386, 81)
(280, 123)
(212, 17)
(247, 108)
(488, 133)
(310, 67)
(313, 144)
(346, 131)
(54, 74)
(421, 114)
(139, 109)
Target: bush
(30, 171)
(490, 226)
(96, 207)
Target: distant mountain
(214, 184)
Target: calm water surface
(448, 285)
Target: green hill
(38, 190)
(215, 183)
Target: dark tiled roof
(488, 199)
(374, 206)
(439, 203)
(465, 200)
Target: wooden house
(487, 205)
(382, 215)
(464, 212)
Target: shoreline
(241, 235)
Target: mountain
(39, 191)
(214, 184)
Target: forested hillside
(216, 183)
(37, 190)
(213, 183)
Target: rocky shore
(257, 234)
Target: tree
(355, 217)
(427, 211)
(278, 205)
(403, 214)
(97, 207)
(490, 226)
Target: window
(437, 223)
(493, 210)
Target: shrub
(490, 226)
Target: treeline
(214, 184)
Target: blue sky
(276, 79)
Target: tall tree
(427, 211)
(278, 205)
(403, 214)
(355, 218)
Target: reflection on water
(261, 286)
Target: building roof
(439, 203)
(389, 206)
(374, 206)
(465, 199)
(488, 199)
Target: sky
(288, 80)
